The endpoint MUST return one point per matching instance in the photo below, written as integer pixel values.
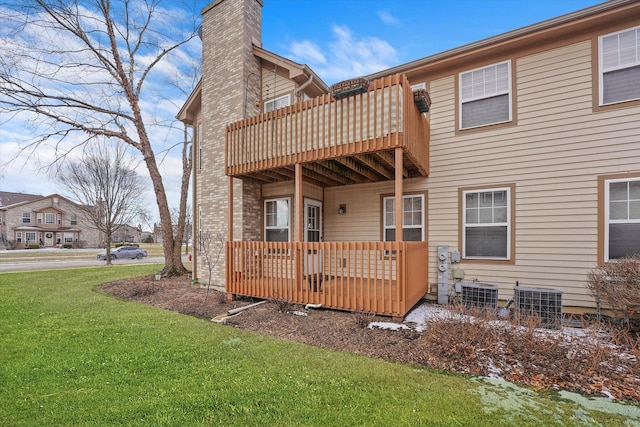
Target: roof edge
(505, 37)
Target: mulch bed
(348, 332)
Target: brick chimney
(230, 28)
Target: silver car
(124, 252)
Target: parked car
(124, 252)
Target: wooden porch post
(230, 209)
(299, 205)
(229, 252)
(398, 195)
(400, 260)
(299, 230)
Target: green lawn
(70, 355)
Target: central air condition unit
(545, 304)
(479, 295)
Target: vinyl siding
(274, 86)
(553, 155)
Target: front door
(313, 233)
(313, 220)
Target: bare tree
(78, 70)
(210, 247)
(187, 225)
(106, 184)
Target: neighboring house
(125, 233)
(46, 221)
(525, 170)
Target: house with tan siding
(515, 162)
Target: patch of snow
(387, 325)
(299, 313)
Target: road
(78, 259)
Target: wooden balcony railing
(386, 278)
(382, 118)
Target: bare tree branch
(105, 183)
(78, 71)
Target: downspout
(304, 85)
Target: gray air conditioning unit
(479, 295)
(543, 304)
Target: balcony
(377, 135)
(386, 278)
(338, 142)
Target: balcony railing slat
(380, 277)
(382, 118)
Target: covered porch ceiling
(345, 170)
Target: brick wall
(228, 29)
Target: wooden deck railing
(386, 278)
(382, 118)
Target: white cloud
(347, 56)
(307, 52)
(387, 18)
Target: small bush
(617, 284)
(220, 297)
(282, 304)
(148, 239)
(34, 246)
(363, 318)
(523, 353)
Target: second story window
(50, 218)
(619, 66)
(276, 103)
(26, 217)
(485, 95)
(74, 220)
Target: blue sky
(340, 40)
(344, 39)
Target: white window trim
(26, 215)
(317, 204)
(275, 227)
(496, 224)
(608, 221)
(393, 226)
(49, 218)
(274, 102)
(601, 69)
(507, 92)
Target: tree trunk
(172, 257)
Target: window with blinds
(622, 218)
(487, 223)
(276, 103)
(485, 95)
(620, 66)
